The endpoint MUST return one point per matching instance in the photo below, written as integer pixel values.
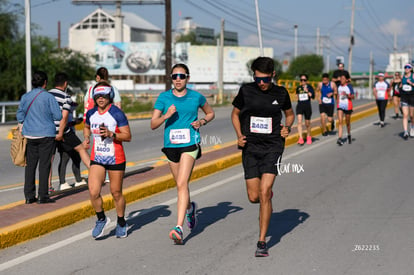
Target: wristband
(205, 121)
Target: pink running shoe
(308, 140)
(301, 141)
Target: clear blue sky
(376, 21)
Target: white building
(99, 26)
(397, 62)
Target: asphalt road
(143, 150)
(337, 210)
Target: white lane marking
(170, 202)
(86, 234)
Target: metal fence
(8, 111)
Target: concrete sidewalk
(20, 222)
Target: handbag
(18, 144)
(18, 148)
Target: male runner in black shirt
(257, 117)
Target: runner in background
(304, 94)
(336, 77)
(108, 127)
(407, 100)
(344, 106)
(326, 93)
(396, 95)
(178, 108)
(102, 75)
(381, 90)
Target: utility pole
(371, 69)
(318, 42)
(295, 54)
(119, 28)
(168, 42)
(259, 28)
(351, 40)
(395, 52)
(28, 47)
(221, 65)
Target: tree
(190, 37)
(45, 56)
(311, 65)
(278, 67)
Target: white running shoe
(65, 186)
(81, 183)
(412, 132)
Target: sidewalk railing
(8, 109)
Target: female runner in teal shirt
(178, 108)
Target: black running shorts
(174, 154)
(111, 167)
(328, 109)
(305, 110)
(255, 164)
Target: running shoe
(405, 136)
(65, 186)
(121, 232)
(340, 142)
(191, 218)
(261, 250)
(412, 132)
(80, 183)
(382, 124)
(325, 134)
(309, 140)
(51, 190)
(98, 231)
(176, 234)
(349, 139)
(301, 141)
(332, 125)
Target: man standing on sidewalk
(66, 136)
(256, 118)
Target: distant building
(99, 26)
(397, 62)
(204, 36)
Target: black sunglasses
(266, 79)
(302, 79)
(407, 67)
(107, 96)
(181, 76)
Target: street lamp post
(28, 47)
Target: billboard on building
(203, 63)
(142, 58)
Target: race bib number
(303, 97)
(104, 149)
(381, 94)
(179, 136)
(407, 88)
(326, 100)
(343, 101)
(261, 125)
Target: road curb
(43, 224)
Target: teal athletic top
(178, 131)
